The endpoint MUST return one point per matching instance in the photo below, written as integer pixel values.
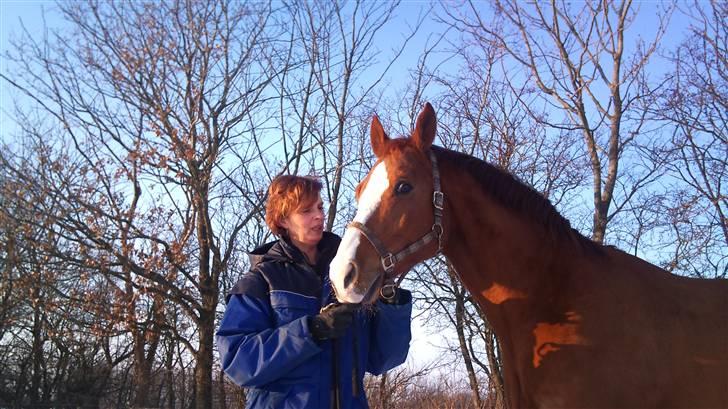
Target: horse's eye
(402, 188)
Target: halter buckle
(438, 200)
(438, 230)
(388, 262)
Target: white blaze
(369, 201)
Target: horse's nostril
(349, 276)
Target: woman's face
(306, 225)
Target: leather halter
(389, 259)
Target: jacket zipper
(354, 362)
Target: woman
(283, 335)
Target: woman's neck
(310, 252)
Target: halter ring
(388, 291)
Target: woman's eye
(402, 188)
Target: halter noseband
(389, 259)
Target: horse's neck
(507, 263)
(509, 267)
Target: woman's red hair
(286, 194)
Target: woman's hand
(332, 322)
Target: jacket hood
(283, 250)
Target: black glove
(332, 322)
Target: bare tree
(53, 344)
(391, 389)
(576, 56)
(152, 100)
(695, 106)
(165, 136)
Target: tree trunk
(203, 367)
(37, 354)
(221, 387)
(241, 397)
(383, 395)
(169, 366)
(142, 374)
(460, 328)
(496, 374)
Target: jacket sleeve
(253, 351)
(390, 335)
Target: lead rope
(355, 362)
(335, 390)
(336, 401)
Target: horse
(580, 324)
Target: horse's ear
(379, 137)
(425, 128)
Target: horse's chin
(373, 293)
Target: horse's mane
(510, 192)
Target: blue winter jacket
(265, 342)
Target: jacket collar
(283, 250)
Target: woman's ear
(284, 223)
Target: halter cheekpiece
(389, 259)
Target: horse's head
(395, 224)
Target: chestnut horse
(580, 324)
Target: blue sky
(32, 13)
(12, 12)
